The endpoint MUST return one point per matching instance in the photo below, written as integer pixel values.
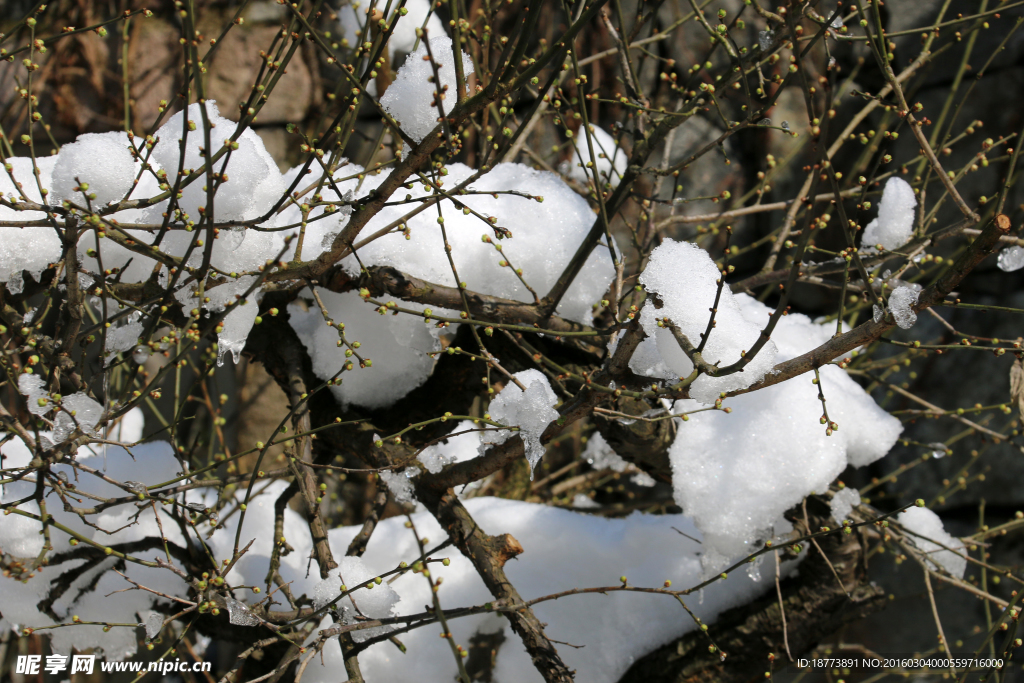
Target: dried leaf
(1017, 386)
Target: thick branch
(382, 280)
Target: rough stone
(236, 66)
(153, 54)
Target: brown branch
(303, 445)
(382, 280)
(488, 555)
(358, 545)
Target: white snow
(25, 249)
(403, 39)
(129, 428)
(239, 613)
(321, 228)
(459, 448)
(643, 479)
(121, 338)
(33, 388)
(563, 549)
(843, 502)
(600, 455)
(398, 346)
(373, 601)
(895, 223)
(610, 162)
(400, 484)
(254, 183)
(408, 99)
(253, 187)
(545, 236)
(102, 161)
(20, 536)
(240, 318)
(77, 411)
(134, 266)
(547, 219)
(684, 278)
(1011, 258)
(531, 410)
(581, 500)
(901, 301)
(153, 621)
(737, 473)
(105, 163)
(928, 526)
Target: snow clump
(1011, 258)
(408, 99)
(90, 593)
(610, 162)
(547, 229)
(461, 445)
(736, 473)
(235, 326)
(400, 484)
(532, 410)
(403, 38)
(321, 226)
(121, 338)
(548, 222)
(33, 388)
(895, 223)
(579, 549)
(30, 249)
(102, 161)
(239, 614)
(684, 278)
(76, 411)
(106, 163)
(372, 601)
(843, 502)
(582, 500)
(599, 455)
(399, 347)
(901, 303)
(546, 235)
(562, 549)
(254, 184)
(931, 536)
